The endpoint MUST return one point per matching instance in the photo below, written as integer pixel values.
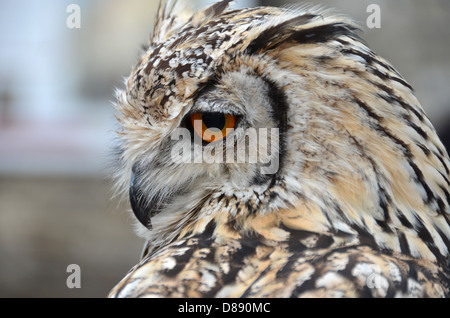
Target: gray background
(56, 126)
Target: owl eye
(212, 126)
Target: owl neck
(342, 214)
(344, 207)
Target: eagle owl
(348, 192)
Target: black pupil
(214, 120)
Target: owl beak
(137, 201)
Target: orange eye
(212, 126)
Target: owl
(268, 152)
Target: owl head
(260, 110)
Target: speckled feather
(359, 206)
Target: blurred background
(57, 126)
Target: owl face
(228, 140)
(260, 110)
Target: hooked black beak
(137, 201)
(145, 202)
